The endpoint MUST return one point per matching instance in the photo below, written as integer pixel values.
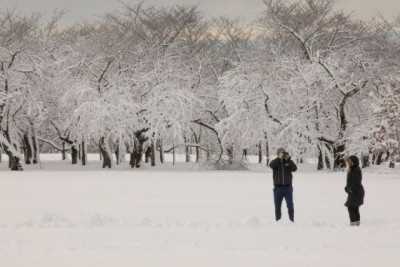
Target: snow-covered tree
(386, 131)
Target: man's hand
(286, 156)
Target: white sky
(87, 9)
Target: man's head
(280, 151)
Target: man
(282, 168)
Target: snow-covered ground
(183, 216)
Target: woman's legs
(357, 210)
(358, 216)
(354, 214)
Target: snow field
(181, 216)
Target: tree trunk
(161, 151)
(74, 154)
(338, 158)
(147, 155)
(14, 158)
(15, 163)
(173, 154)
(327, 162)
(323, 159)
(117, 154)
(64, 155)
(83, 153)
(229, 152)
(341, 147)
(245, 154)
(153, 154)
(36, 154)
(104, 150)
(1, 155)
(198, 154)
(266, 148)
(301, 159)
(260, 156)
(132, 158)
(187, 151)
(137, 152)
(365, 161)
(136, 155)
(28, 150)
(320, 165)
(391, 164)
(11, 150)
(197, 140)
(379, 158)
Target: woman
(354, 189)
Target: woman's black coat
(354, 187)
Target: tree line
(150, 79)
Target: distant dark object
(391, 164)
(17, 167)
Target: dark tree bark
(63, 152)
(136, 155)
(14, 158)
(267, 155)
(83, 151)
(160, 145)
(104, 153)
(229, 152)
(197, 154)
(147, 155)
(35, 150)
(14, 161)
(74, 154)
(117, 154)
(379, 158)
(391, 164)
(365, 161)
(216, 133)
(173, 153)
(327, 162)
(153, 154)
(302, 152)
(320, 165)
(187, 151)
(28, 149)
(137, 151)
(321, 158)
(260, 156)
(197, 140)
(338, 157)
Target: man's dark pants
(281, 192)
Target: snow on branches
(386, 130)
